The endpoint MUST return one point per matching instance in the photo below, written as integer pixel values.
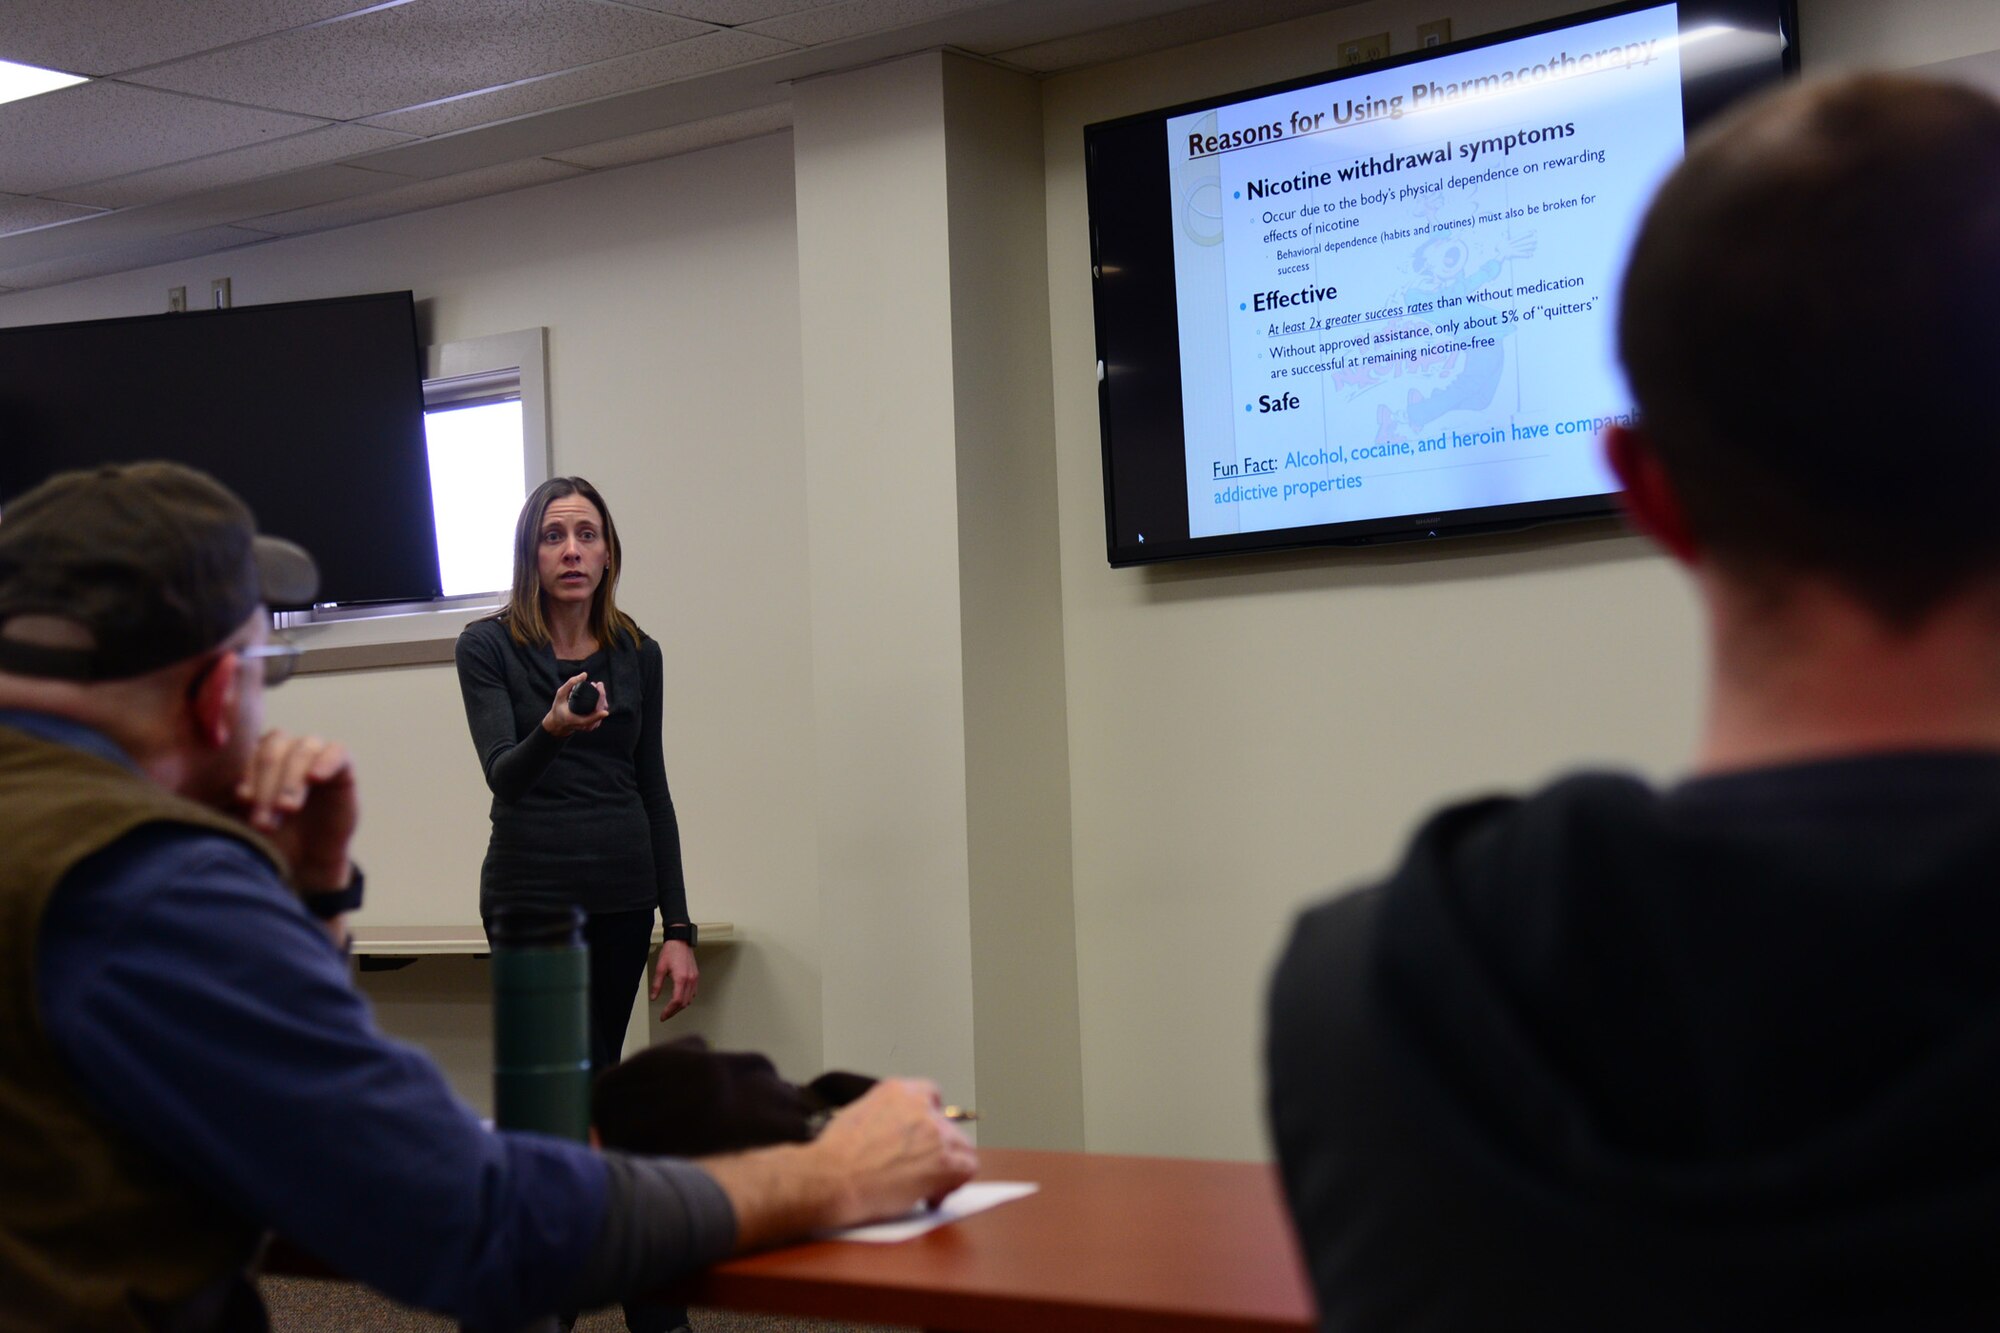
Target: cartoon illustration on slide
(1439, 266)
(1387, 431)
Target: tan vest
(94, 1233)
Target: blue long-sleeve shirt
(206, 1014)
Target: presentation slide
(1396, 291)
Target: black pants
(619, 943)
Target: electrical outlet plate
(1437, 33)
(1361, 50)
(177, 300)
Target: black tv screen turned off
(312, 411)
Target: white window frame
(407, 633)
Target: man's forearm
(781, 1193)
(664, 1218)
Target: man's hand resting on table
(879, 1157)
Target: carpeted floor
(307, 1305)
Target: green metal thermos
(541, 1019)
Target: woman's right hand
(560, 722)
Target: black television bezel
(1699, 101)
(424, 582)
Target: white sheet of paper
(961, 1202)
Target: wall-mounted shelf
(439, 941)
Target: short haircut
(1808, 323)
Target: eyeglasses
(280, 658)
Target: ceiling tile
(1178, 28)
(386, 59)
(124, 258)
(19, 214)
(855, 18)
(310, 149)
(99, 37)
(464, 94)
(729, 13)
(686, 138)
(281, 194)
(97, 130)
(411, 198)
(710, 51)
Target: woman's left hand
(676, 961)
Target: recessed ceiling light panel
(19, 81)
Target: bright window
(476, 492)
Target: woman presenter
(580, 811)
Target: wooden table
(1107, 1245)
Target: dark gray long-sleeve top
(587, 818)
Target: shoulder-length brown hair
(523, 616)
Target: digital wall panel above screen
(1380, 305)
(312, 411)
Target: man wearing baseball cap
(183, 1062)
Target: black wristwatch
(684, 932)
(334, 902)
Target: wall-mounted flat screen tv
(312, 411)
(1379, 305)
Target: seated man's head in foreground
(1722, 1053)
(133, 597)
(1808, 326)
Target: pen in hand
(957, 1115)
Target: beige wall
(875, 269)
(936, 598)
(1019, 837)
(1893, 34)
(1240, 735)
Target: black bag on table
(681, 1099)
